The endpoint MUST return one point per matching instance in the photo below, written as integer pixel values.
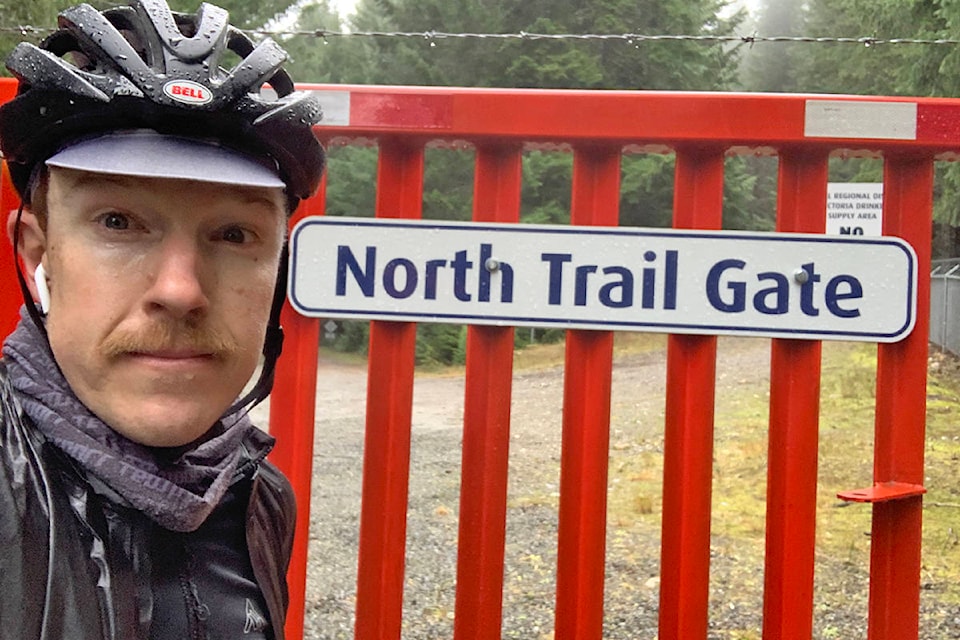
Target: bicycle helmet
(144, 67)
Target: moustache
(170, 336)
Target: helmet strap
(272, 344)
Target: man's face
(160, 292)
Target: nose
(177, 279)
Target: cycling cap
(143, 67)
(146, 153)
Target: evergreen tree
(889, 69)
(560, 63)
(839, 67)
(771, 66)
(647, 179)
(244, 14)
(571, 63)
(318, 58)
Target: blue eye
(236, 235)
(115, 221)
(233, 235)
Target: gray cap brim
(149, 154)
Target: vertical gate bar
(10, 296)
(900, 416)
(292, 405)
(794, 425)
(292, 417)
(688, 430)
(581, 544)
(486, 426)
(386, 460)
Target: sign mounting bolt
(801, 276)
(492, 264)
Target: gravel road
(632, 580)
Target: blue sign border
(578, 323)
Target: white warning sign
(855, 208)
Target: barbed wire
(629, 38)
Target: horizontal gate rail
(726, 120)
(598, 127)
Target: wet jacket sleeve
(44, 593)
(271, 518)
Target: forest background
(312, 32)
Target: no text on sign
(612, 278)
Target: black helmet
(144, 67)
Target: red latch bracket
(883, 492)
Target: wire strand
(629, 38)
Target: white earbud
(43, 291)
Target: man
(135, 499)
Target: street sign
(612, 278)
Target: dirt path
(637, 418)
(631, 598)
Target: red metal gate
(701, 128)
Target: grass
(342, 358)
(845, 457)
(545, 356)
(846, 433)
(941, 530)
(845, 462)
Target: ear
(31, 244)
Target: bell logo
(188, 92)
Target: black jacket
(75, 564)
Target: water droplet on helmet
(43, 111)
